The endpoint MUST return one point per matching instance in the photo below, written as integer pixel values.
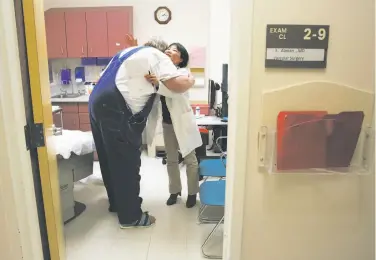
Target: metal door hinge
(34, 136)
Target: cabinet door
(55, 34)
(75, 22)
(85, 127)
(97, 40)
(71, 121)
(67, 107)
(84, 118)
(119, 24)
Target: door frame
(18, 202)
(240, 67)
(35, 33)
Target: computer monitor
(224, 87)
(212, 94)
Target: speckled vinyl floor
(95, 235)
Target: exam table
(75, 156)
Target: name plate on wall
(296, 46)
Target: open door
(37, 66)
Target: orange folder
(285, 120)
(314, 139)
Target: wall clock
(162, 15)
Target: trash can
(201, 151)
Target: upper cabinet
(97, 38)
(88, 32)
(120, 24)
(75, 23)
(55, 34)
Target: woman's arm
(180, 84)
(161, 87)
(169, 75)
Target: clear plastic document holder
(315, 142)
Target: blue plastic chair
(213, 168)
(212, 193)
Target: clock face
(163, 15)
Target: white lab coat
(182, 117)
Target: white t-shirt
(130, 80)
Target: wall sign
(296, 46)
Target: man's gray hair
(158, 44)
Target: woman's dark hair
(183, 54)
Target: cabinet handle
(91, 49)
(82, 49)
(62, 51)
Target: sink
(71, 95)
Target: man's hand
(131, 41)
(192, 80)
(151, 78)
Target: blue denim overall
(117, 136)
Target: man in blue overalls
(119, 107)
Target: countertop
(81, 99)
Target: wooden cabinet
(85, 127)
(55, 34)
(97, 39)
(75, 23)
(119, 24)
(88, 32)
(75, 117)
(83, 108)
(71, 121)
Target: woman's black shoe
(173, 199)
(191, 201)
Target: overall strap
(117, 60)
(122, 58)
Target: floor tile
(95, 235)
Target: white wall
(219, 38)
(309, 217)
(189, 24)
(218, 41)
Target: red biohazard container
(201, 151)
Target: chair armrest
(217, 142)
(223, 158)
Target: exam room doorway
(36, 52)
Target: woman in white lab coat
(180, 132)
